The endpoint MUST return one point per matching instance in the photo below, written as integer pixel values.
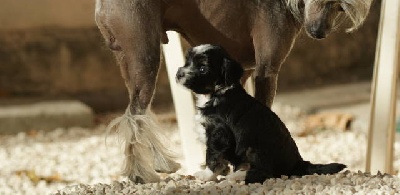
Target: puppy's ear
(232, 71)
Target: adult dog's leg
(265, 84)
(266, 71)
(272, 42)
(132, 30)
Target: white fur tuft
(206, 175)
(144, 149)
(202, 48)
(239, 175)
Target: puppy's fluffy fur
(239, 129)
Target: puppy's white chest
(201, 100)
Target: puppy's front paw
(206, 175)
(237, 176)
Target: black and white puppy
(239, 129)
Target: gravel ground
(82, 161)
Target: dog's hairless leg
(136, 45)
(265, 84)
(270, 53)
(266, 71)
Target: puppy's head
(208, 67)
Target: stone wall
(53, 49)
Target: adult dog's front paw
(206, 175)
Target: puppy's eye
(203, 69)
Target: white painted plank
(184, 106)
(249, 86)
(383, 97)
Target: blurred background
(56, 73)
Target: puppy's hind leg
(257, 176)
(132, 30)
(260, 167)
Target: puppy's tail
(307, 168)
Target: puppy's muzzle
(180, 74)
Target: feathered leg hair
(145, 147)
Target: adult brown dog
(257, 33)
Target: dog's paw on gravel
(206, 175)
(239, 175)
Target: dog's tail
(307, 168)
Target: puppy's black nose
(180, 74)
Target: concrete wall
(52, 49)
(59, 63)
(26, 14)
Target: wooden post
(184, 106)
(249, 86)
(383, 95)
